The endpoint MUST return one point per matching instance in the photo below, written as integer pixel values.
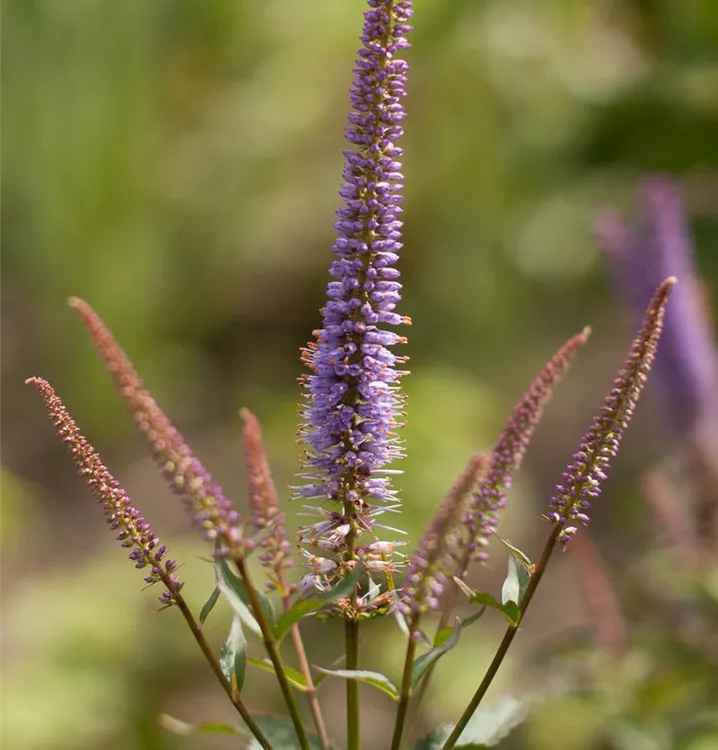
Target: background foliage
(176, 163)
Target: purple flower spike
(482, 517)
(133, 531)
(185, 474)
(581, 481)
(640, 258)
(352, 402)
(267, 517)
(433, 558)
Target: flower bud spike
(185, 474)
(581, 481)
(132, 529)
(266, 514)
(434, 557)
(482, 516)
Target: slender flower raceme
(352, 402)
(581, 481)
(185, 474)
(489, 499)
(639, 258)
(267, 516)
(132, 529)
(433, 558)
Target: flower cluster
(353, 405)
(482, 516)
(581, 481)
(132, 529)
(266, 514)
(185, 474)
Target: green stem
(503, 648)
(351, 632)
(272, 647)
(198, 634)
(405, 694)
(443, 622)
(311, 690)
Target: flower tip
(586, 333)
(77, 304)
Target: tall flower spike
(352, 403)
(267, 517)
(185, 474)
(133, 531)
(483, 514)
(582, 478)
(640, 258)
(434, 556)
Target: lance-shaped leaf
(208, 606)
(581, 481)
(132, 529)
(233, 656)
(375, 679)
(186, 475)
(488, 726)
(294, 676)
(235, 591)
(482, 516)
(510, 609)
(423, 662)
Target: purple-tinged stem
(269, 520)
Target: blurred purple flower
(133, 531)
(581, 480)
(659, 246)
(352, 400)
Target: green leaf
(522, 557)
(316, 601)
(295, 677)
(234, 590)
(209, 605)
(281, 735)
(423, 662)
(490, 723)
(509, 609)
(184, 729)
(233, 656)
(516, 581)
(376, 679)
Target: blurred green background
(176, 163)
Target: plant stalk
(311, 691)
(236, 700)
(351, 632)
(271, 645)
(405, 694)
(503, 648)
